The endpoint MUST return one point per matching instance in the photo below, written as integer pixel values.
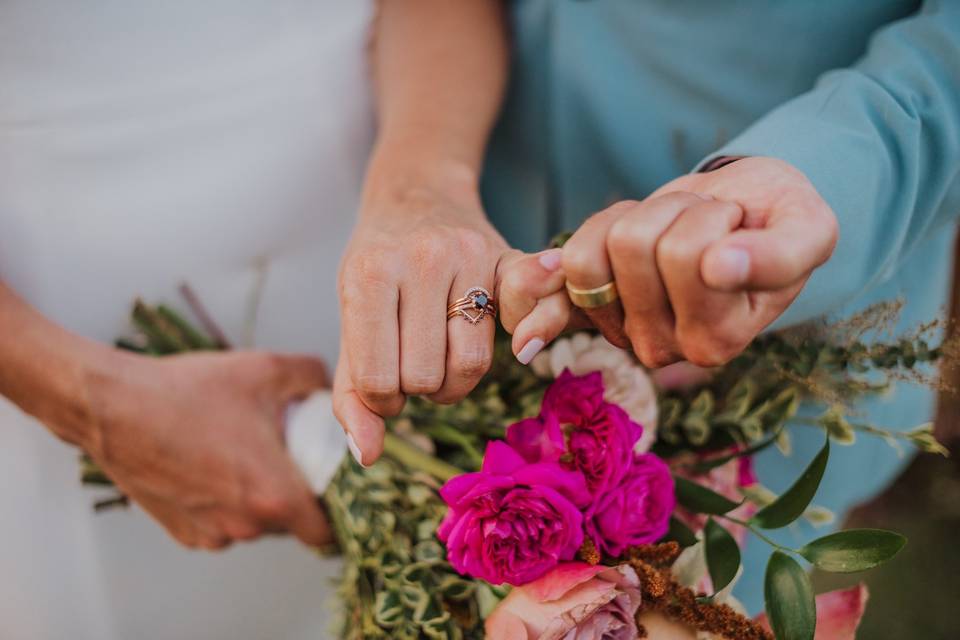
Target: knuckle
(430, 249)
(243, 529)
(422, 382)
(370, 268)
(472, 243)
(674, 250)
(473, 362)
(652, 355)
(377, 386)
(578, 259)
(628, 235)
(622, 206)
(185, 540)
(270, 506)
(709, 348)
(215, 542)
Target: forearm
(47, 371)
(440, 69)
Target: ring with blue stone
(475, 304)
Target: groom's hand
(702, 265)
(197, 441)
(414, 251)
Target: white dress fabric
(143, 144)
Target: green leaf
(723, 555)
(680, 533)
(699, 499)
(853, 550)
(788, 597)
(795, 500)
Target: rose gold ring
(473, 306)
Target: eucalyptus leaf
(795, 500)
(789, 600)
(699, 499)
(853, 550)
(723, 555)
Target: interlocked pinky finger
(549, 318)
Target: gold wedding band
(593, 298)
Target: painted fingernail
(354, 449)
(731, 266)
(529, 350)
(550, 260)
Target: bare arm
(422, 237)
(45, 370)
(440, 71)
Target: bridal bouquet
(586, 497)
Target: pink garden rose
(574, 399)
(575, 601)
(512, 521)
(598, 436)
(636, 511)
(625, 382)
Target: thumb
(523, 280)
(301, 375)
(775, 257)
(363, 427)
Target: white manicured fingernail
(550, 260)
(529, 350)
(354, 449)
(731, 266)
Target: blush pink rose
(838, 613)
(575, 601)
(636, 511)
(512, 521)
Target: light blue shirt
(609, 99)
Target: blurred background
(914, 595)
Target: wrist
(398, 172)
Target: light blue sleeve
(881, 143)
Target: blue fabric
(609, 99)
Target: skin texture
(702, 265)
(422, 238)
(196, 440)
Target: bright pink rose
(512, 521)
(636, 511)
(838, 613)
(574, 399)
(537, 439)
(600, 437)
(576, 601)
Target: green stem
(417, 459)
(756, 532)
(857, 426)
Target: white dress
(142, 144)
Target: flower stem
(417, 459)
(756, 532)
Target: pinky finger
(549, 318)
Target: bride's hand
(415, 250)
(197, 441)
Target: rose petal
(838, 613)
